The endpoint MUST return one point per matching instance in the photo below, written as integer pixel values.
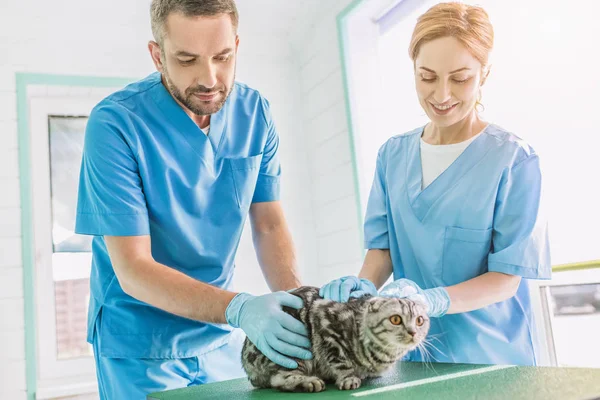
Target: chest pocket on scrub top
(465, 254)
(244, 172)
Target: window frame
(55, 377)
(567, 274)
(29, 86)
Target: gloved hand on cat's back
(436, 300)
(348, 286)
(274, 332)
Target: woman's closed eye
(459, 80)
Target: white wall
(550, 99)
(12, 339)
(326, 132)
(71, 37)
(266, 63)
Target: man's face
(197, 60)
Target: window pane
(72, 299)
(66, 147)
(576, 310)
(71, 258)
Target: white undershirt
(435, 159)
(205, 130)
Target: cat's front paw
(295, 382)
(349, 383)
(313, 385)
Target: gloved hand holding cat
(436, 300)
(274, 332)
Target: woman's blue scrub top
(148, 169)
(482, 214)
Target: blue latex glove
(436, 300)
(274, 332)
(348, 286)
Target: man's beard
(193, 103)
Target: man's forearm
(172, 291)
(277, 258)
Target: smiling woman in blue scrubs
(455, 207)
(172, 167)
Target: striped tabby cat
(350, 342)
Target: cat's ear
(375, 304)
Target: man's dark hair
(161, 9)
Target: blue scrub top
(148, 169)
(481, 214)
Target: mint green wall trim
(342, 43)
(576, 266)
(22, 81)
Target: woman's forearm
(377, 267)
(482, 291)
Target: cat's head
(395, 322)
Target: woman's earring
(478, 106)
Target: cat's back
(308, 294)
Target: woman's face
(447, 78)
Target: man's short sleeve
(267, 185)
(110, 199)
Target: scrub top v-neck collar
(206, 146)
(421, 200)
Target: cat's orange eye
(420, 321)
(396, 319)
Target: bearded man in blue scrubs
(172, 166)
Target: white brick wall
(12, 323)
(8, 133)
(10, 248)
(334, 201)
(12, 339)
(12, 345)
(71, 37)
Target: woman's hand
(436, 300)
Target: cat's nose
(412, 333)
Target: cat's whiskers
(426, 356)
(426, 343)
(436, 336)
(430, 338)
(423, 351)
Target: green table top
(427, 381)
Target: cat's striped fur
(350, 342)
